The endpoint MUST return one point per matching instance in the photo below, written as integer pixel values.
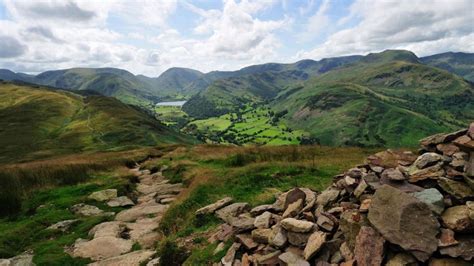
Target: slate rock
(298, 239)
(294, 195)
(457, 189)
(369, 247)
(402, 259)
(446, 238)
(405, 221)
(327, 196)
(433, 198)
(298, 226)
(448, 262)
(63, 225)
(122, 201)
(103, 195)
(293, 208)
(457, 219)
(393, 174)
(246, 241)
(278, 237)
(232, 210)
(211, 208)
(293, 259)
(427, 159)
(263, 220)
(314, 244)
(262, 235)
(464, 250)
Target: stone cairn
(397, 209)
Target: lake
(175, 103)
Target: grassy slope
(57, 184)
(380, 102)
(38, 122)
(461, 64)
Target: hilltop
(40, 122)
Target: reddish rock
(465, 248)
(447, 149)
(369, 247)
(446, 238)
(246, 241)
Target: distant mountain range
(389, 98)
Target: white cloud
(424, 28)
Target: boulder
(393, 174)
(247, 241)
(63, 225)
(402, 259)
(292, 259)
(263, 208)
(228, 259)
(211, 208)
(326, 222)
(103, 195)
(232, 210)
(446, 238)
(133, 258)
(111, 229)
(20, 260)
(263, 220)
(457, 219)
(457, 189)
(464, 250)
(87, 210)
(441, 138)
(360, 189)
(314, 244)
(138, 211)
(464, 142)
(448, 149)
(293, 208)
(262, 235)
(293, 196)
(327, 196)
(448, 262)
(405, 221)
(269, 259)
(122, 201)
(391, 159)
(401, 185)
(427, 159)
(433, 198)
(242, 223)
(298, 239)
(432, 172)
(101, 248)
(297, 226)
(350, 224)
(369, 247)
(278, 237)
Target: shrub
(170, 254)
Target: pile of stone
(397, 209)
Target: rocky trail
(131, 237)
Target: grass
(251, 174)
(39, 123)
(27, 230)
(20, 180)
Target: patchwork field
(247, 126)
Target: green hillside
(379, 102)
(461, 64)
(173, 81)
(383, 99)
(39, 122)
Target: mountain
(309, 67)
(39, 122)
(173, 81)
(382, 99)
(461, 64)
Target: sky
(147, 37)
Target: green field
(247, 126)
(171, 115)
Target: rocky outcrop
(397, 209)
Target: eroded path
(131, 237)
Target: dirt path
(130, 239)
